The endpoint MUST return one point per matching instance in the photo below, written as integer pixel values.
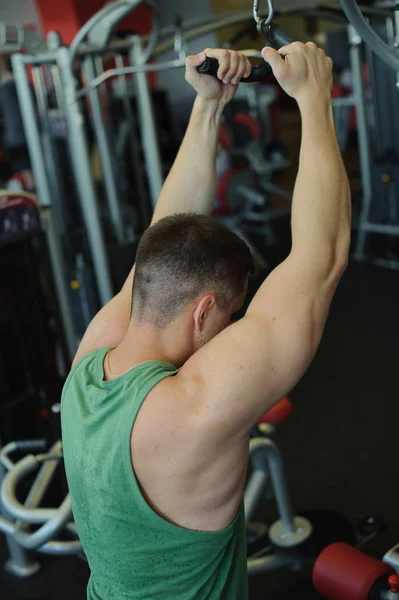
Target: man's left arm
(190, 185)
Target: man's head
(192, 269)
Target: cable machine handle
(211, 67)
(275, 37)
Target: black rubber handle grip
(275, 37)
(211, 67)
(278, 38)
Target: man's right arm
(245, 370)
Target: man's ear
(202, 310)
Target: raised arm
(251, 365)
(190, 186)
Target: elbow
(340, 268)
(338, 256)
(343, 247)
(340, 259)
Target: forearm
(190, 186)
(321, 216)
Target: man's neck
(145, 342)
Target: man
(159, 405)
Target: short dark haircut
(182, 257)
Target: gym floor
(340, 445)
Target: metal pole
(41, 484)
(355, 42)
(267, 564)
(396, 42)
(264, 450)
(215, 25)
(148, 130)
(134, 145)
(255, 491)
(107, 162)
(80, 158)
(382, 229)
(44, 194)
(141, 68)
(20, 563)
(49, 151)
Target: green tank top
(132, 552)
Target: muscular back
(189, 471)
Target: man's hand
(233, 66)
(305, 74)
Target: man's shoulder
(180, 388)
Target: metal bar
(197, 26)
(18, 446)
(21, 38)
(271, 188)
(189, 24)
(8, 493)
(41, 483)
(222, 23)
(386, 263)
(173, 64)
(49, 530)
(258, 566)
(80, 159)
(5, 460)
(245, 16)
(264, 451)
(344, 102)
(113, 11)
(61, 548)
(151, 68)
(371, 106)
(396, 41)
(392, 558)
(39, 487)
(354, 14)
(20, 563)
(106, 155)
(44, 195)
(364, 142)
(7, 528)
(55, 73)
(58, 91)
(134, 145)
(255, 491)
(49, 150)
(38, 59)
(382, 229)
(148, 129)
(101, 24)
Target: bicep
(254, 363)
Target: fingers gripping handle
(275, 38)
(211, 67)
